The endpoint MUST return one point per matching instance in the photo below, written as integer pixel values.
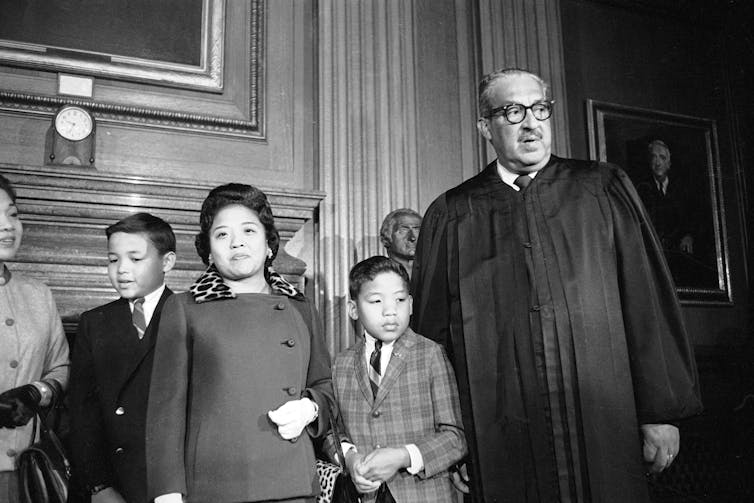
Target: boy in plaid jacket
(397, 394)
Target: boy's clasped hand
(370, 470)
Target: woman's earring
(210, 259)
(269, 252)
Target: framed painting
(674, 164)
(177, 43)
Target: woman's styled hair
(228, 195)
(8, 188)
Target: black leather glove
(18, 405)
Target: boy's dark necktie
(139, 320)
(374, 367)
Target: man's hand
(381, 464)
(292, 417)
(460, 478)
(108, 495)
(355, 468)
(661, 445)
(18, 405)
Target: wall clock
(73, 137)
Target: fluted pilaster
(368, 153)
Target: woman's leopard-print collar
(210, 286)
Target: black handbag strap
(46, 433)
(337, 449)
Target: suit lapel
(362, 375)
(397, 363)
(116, 328)
(150, 336)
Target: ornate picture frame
(74, 38)
(673, 161)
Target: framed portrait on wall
(177, 43)
(673, 162)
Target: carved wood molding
(66, 210)
(168, 119)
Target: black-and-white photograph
(376, 251)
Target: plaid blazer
(417, 403)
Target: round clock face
(73, 123)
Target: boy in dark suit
(112, 363)
(397, 394)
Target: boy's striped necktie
(374, 367)
(139, 320)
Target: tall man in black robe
(546, 283)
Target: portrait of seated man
(674, 215)
(665, 199)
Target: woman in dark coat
(241, 379)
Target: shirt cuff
(417, 461)
(169, 498)
(345, 447)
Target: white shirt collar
(385, 353)
(509, 177)
(150, 303)
(662, 185)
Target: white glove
(169, 498)
(292, 417)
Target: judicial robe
(571, 263)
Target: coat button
(11, 453)
(119, 450)
(120, 411)
(290, 343)
(376, 413)
(13, 364)
(280, 306)
(9, 322)
(291, 391)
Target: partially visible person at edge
(544, 279)
(111, 364)
(398, 234)
(33, 349)
(241, 382)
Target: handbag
(43, 468)
(335, 483)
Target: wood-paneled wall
(65, 212)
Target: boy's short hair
(368, 269)
(157, 230)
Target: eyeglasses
(516, 112)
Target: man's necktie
(522, 181)
(139, 321)
(374, 367)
